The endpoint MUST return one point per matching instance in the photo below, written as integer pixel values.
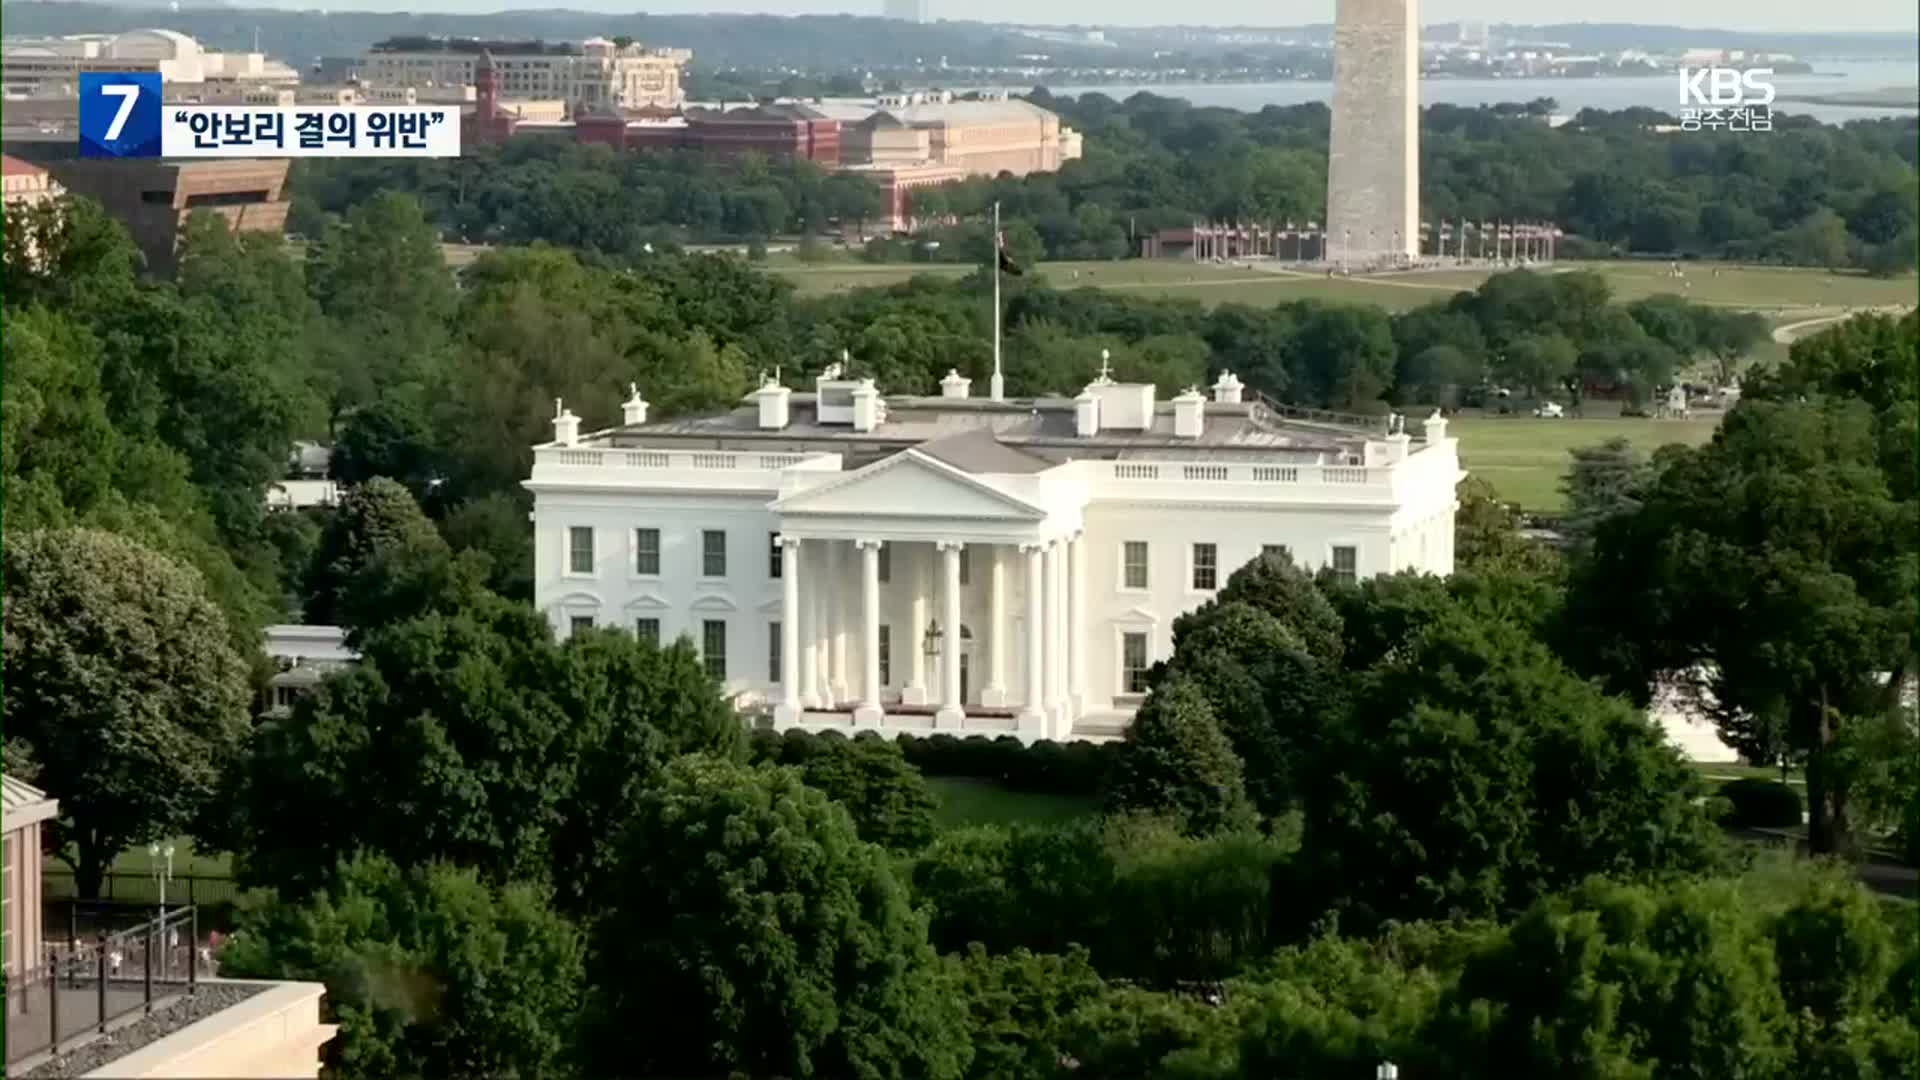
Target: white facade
(597, 72)
(811, 544)
(51, 66)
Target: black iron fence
(81, 987)
(197, 890)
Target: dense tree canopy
(1776, 568)
(470, 736)
(1811, 194)
(751, 930)
(121, 685)
(429, 971)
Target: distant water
(1651, 91)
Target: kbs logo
(1736, 99)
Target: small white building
(304, 654)
(960, 564)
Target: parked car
(1550, 410)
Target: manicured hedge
(1046, 768)
(1761, 804)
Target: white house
(961, 564)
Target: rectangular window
(773, 652)
(966, 565)
(713, 553)
(713, 647)
(773, 558)
(647, 630)
(1133, 663)
(886, 562)
(1206, 567)
(646, 552)
(1134, 558)
(1346, 563)
(886, 652)
(1276, 551)
(580, 549)
(580, 622)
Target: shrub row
(1046, 767)
(1761, 804)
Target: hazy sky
(1731, 14)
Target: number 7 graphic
(120, 114)
(128, 93)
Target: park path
(1794, 331)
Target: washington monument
(1373, 164)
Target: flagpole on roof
(998, 386)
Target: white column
(787, 713)
(1077, 626)
(807, 659)
(1050, 702)
(994, 693)
(1032, 710)
(868, 711)
(910, 566)
(952, 711)
(842, 617)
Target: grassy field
(965, 802)
(1783, 293)
(1524, 458)
(131, 877)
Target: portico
(920, 544)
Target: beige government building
(595, 73)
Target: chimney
(1227, 390)
(773, 399)
(566, 426)
(954, 385)
(866, 406)
(1189, 414)
(1086, 414)
(634, 409)
(1436, 428)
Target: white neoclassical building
(959, 564)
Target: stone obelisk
(1373, 163)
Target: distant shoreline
(1886, 97)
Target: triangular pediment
(647, 602)
(911, 484)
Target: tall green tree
(1600, 483)
(1178, 762)
(429, 971)
(1777, 567)
(377, 538)
(751, 930)
(123, 683)
(1474, 773)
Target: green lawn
(965, 801)
(131, 877)
(1525, 458)
(1783, 293)
(1721, 773)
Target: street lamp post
(162, 874)
(162, 871)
